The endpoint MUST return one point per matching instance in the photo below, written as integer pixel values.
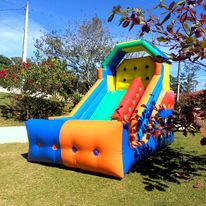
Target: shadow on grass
(159, 170)
(169, 166)
(25, 156)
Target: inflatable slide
(106, 131)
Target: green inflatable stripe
(151, 49)
(142, 43)
(109, 57)
(130, 44)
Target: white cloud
(11, 35)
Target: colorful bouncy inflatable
(102, 133)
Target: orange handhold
(39, 144)
(54, 147)
(99, 73)
(158, 68)
(90, 136)
(133, 131)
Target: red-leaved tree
(181, 27)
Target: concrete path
(16, 134)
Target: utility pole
(178, 82)
(25, 40)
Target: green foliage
(173, 83)
(5, 100)
(27, 107)
(82, 46)
(46, 78)
(188, 78)
(44, 89)
(4, 61)
(18, 60)
(76, 97)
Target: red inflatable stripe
(168, 100)
(130, 100)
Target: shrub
(44, 88)
(27, 107)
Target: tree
(173, 83)
(44, 89)
(83, 49)
(4, 61)
(189, 79)
(182, 28)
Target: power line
(50, 15)
(17, 9)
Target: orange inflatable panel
(130, 100)
(93, 145)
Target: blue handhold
(96, 152)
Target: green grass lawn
(154, 182)
(5, 99)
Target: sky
(47, 15)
